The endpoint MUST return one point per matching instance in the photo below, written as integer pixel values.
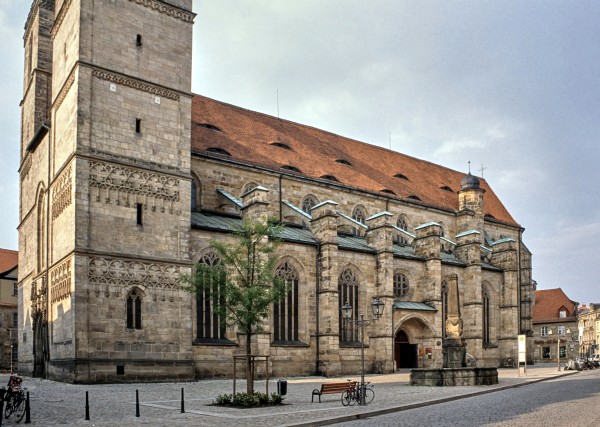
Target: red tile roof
(548, 303)
(248, 135)
(8, 260)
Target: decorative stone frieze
(62, 193)
(64, 91)
(117, 180)
(60, 281)
(167, 9)
(46, 4)
(135, 84)
(38, 297)
(60, 17)
(26, 167)
(124, 273)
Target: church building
(126, 176)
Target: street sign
(522, 348)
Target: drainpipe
(280, 200)
(519, 294)
(393, 341)
(317, 283)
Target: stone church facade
(126, 177)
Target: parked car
(595, 360)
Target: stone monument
(455, 371)
(453, 348)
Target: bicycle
(14, 399)
(354, 393)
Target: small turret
(470, 204)
(469, 182)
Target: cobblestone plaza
(55, 403)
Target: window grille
(400, 285)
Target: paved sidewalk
(54, 403)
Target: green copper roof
(215, 222)
(415, 306)
(354, 244)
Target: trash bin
(282, 387)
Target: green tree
(245, 279)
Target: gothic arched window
(210, 319)
(194, 196)
(400, 285)
(249, 187)
(348, 293)
(402, 224)
(285, 311)
(486, 316)
(308, 203)
(134, 309)
(359, 214)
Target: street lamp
(377, 306)
(558, 334)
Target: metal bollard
(137, 404)
(27, 411)
(87, 407)
(182, 404)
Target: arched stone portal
(412, 333)
(405, 353)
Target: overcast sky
(510, 85)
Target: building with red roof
(555, 328)
(127, 177)
(9, 270)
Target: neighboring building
(9, 318)
(589, 330)
(126, 176)
(554, 318)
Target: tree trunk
(249, 366)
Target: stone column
(324, 227)
(381, 336)
(453, 346)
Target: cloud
(511, 85)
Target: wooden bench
(332, 388)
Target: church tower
(105, 190)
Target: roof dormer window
(413, 197)
(209, 126)
(291, 168)
(387, 191)
(218, 150)
(401, 176)
(330, 178)
(281, 145)
(344, 162)
(446, 188)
